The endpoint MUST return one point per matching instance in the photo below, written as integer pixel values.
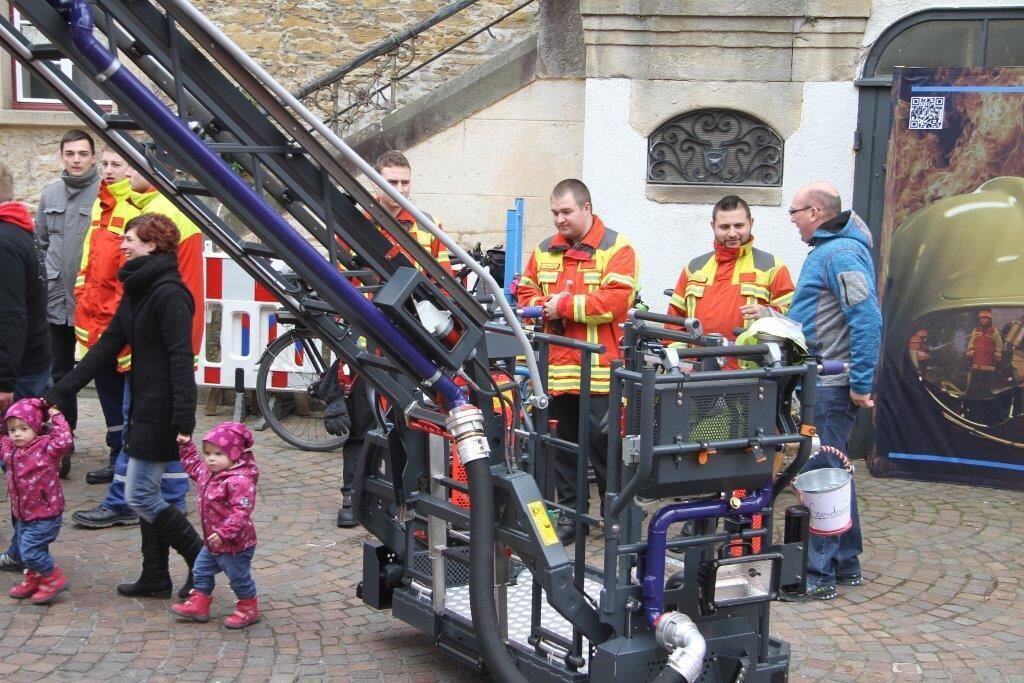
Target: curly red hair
(156, 229)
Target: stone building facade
(296, 41)
(580, 91)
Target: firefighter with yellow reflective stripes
(734, 284)
(586, 278)
(97, 294)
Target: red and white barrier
(248, 322)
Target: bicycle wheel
(285, 390)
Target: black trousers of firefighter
(566, 409)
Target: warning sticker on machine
(543, 523)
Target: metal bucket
(826, 493)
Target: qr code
(926, 113)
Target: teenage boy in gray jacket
(61, 224)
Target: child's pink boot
(28, 586)
(49, 586)
(246, 613)
(196, 608)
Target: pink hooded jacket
(226, 499)
(33, 472)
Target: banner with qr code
(950, 382)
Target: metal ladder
(233, 114)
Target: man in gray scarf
(61, 223)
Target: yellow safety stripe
(620, 278)
(751, 289)
(81, 334)
(678, 301)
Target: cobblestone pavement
(943, 598)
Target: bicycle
(288, 378)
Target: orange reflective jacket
(713, 287)
(599, 277)
(97, 289)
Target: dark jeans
(566, 409)
(829, 556)
(236, 566)
(110, 390)
(32, 386)
(33, 539)
(62, 348)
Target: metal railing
(367, 87)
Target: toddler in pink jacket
(31, 457)
(225, 477)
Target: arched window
(715, 147)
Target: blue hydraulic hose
(657, 539)
(191, 146)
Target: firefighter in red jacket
(585, 278)
(984, 353)
(729, 287)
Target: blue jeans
(142, 481)
(236, 566)
(33, 539)
(173, 484)
(831, 556)
(32, 386)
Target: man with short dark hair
(835, 302)
(62, 220)
(585, 278)
(97, 293)
(735, 283)
(395, 168)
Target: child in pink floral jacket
(31, 457)
(225, 476)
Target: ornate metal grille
(715, 147)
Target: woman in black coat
(154, 318)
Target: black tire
(295, 412)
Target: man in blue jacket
(835, 301)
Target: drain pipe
(677, 633)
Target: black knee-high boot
(155, 580)
(175, 528)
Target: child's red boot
(246, 613)
(49, 586)
(28, 586)
(196, 608)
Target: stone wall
(296, 41)
(469, 175)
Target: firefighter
(735, 283)
(97, 294)
(585, 278)
(395, 169)
(984, 353)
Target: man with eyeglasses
(835, 302)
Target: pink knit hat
(232, 438)
(30, 410)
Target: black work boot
(155, 580)
(104, 475)
(178, 532)
(102, 517)
(346, 516)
